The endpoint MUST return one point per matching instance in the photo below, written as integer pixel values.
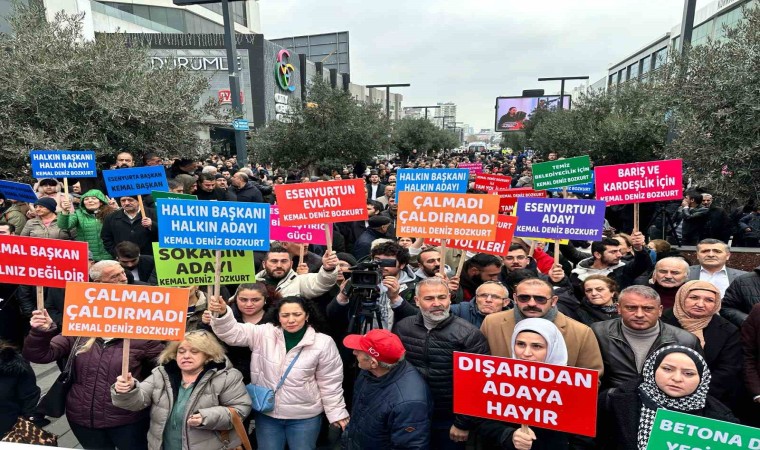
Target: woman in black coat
(19, 393)
(675, 378)
(696, 309)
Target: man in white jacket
(278, 271)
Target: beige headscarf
(692, 324)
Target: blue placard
(17, 191)
(135, 181)
(585, 188)
(63, 164)
(240, 124)
(432, 180)
(559, 218)
(212, 225)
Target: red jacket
(89, 401)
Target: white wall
(73, 7)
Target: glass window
(660, 57)
(611, 80)
(621, 76)
(175, 18)
(158, 15)
(646, 64)
(141, 11)
(633, 71)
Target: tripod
(367, 311)
(668, 226)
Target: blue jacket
(390, 412)
(469, 312)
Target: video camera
(368, 275)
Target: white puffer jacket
(313, 385)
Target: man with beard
(208, 190)
(128, 224)
(124, 160)
(606, 260)
(430, 338)
(139, 267)
(668, 277)
(245, 189)
(535, 298)
(278, 271)
(480, 268)
(430, 264)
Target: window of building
(660, 57)
(633, 71)
(180, 20)
(611, 80)
(726, 21)
(701, 33)
(238, 11)
(646, 64)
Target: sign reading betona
(673, 430)
(447, 216)
(321, 202)
(42, 262)
(652, 181)
(562, 172)
(124, 311)
(530, 393)
(192, 267)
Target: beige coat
(217, 388)
(582, 347)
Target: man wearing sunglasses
(534, 297)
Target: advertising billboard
(512, 112)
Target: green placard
(678, 431)
(193, 267)
(159, 194)
(562, 173)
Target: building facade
(331, 49)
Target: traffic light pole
(230, 43)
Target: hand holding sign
(523, 438)
(41, 320)
(124, 384)
(557, 274)
(329, 261)
(146, 222)
(216, 305)
(637, 240)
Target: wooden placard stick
(635, 217)
(125, 360)
(532, 249)
(556, 251)
(217, 276)
(328, 237)
(40, 298)
(462, 259)
(142, 207)
(442, 269)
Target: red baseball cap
(380, 344)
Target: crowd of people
(370, 367)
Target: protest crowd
(369, 329)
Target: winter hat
(97, 194)
(47, 203)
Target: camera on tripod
(368, 275)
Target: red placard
(505, 229)
(42, 262)
(651, 181)
(488, 182)
(509, 198)
(474, 168)
(321, 202)
(529, 393)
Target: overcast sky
(470, 52)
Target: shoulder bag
(53, 404)
(263, 397)
(239, 429)
(26, 432)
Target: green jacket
(88, 230)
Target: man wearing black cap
(392, 405)
(377, 229)
(128, 224)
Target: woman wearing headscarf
(87, 220)
(537, 340)
(675, 378)
(696, 309)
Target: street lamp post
(562, 87)
(387, 94)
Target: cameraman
(395, 291)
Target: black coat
(498, 435)
(392, 411)
(741, 296)
(619, 358)
(432, 353)
(588, 315)
(619, 411)
(19, 393)
(118, 228)
(723, 354)
(217, 194)
(249, 193)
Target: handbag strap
(72, 355)
(287, 371)
(239, 429)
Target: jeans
(126, 437)
(300, 434)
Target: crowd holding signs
(212, 243)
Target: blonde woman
(189, 396)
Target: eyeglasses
(525, 298)
(485, 297)
(515, 258)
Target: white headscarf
(556, 350)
